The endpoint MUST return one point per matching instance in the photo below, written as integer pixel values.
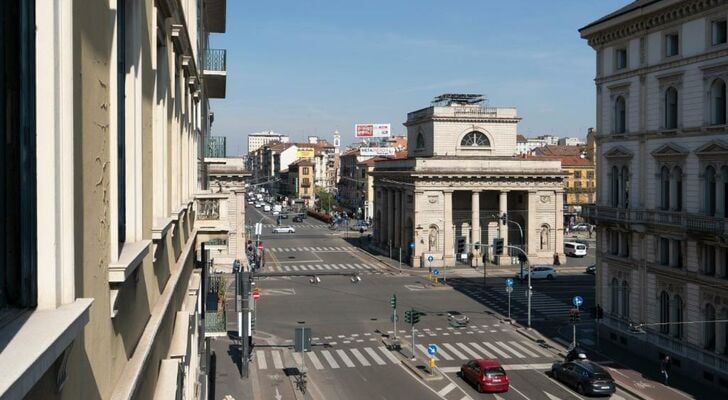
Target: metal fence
(215, 60)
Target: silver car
(457, 319)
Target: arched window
(665, 188)
(710, 191)
(545, 233)
(717, 102)
(620, 115)
(722, 339)
(723, 182)
(677, 189)
(709, 327)
(615, 296)
(625, 299)
(664, 312)
(671, 108)
(420, 141)
(614, 195)
(625, 187)
(475, 139)
(677, 317)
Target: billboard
(372, 130)
(304, 152)
(376, 151)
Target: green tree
(326, 199)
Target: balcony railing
(676, 219)
(215, 60)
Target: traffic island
(423, 371)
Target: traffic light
(574, 315)
(408, 316)
(498, 246)
(393, 301)
(504, 219)
(416, 316)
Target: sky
(309, 67)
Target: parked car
(582, 227)
(250, 201)
(284, 215)
(275, 212)
(539, 272)
(284, 229)
(574, 249)
(457, 319)
(359, 226)
(297, 218)
(258, 205)
(585, 376)
(266, 208)
(486, 375)
(592, 269)
(580, 241)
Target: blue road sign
(436, 272)
(509, 281)
(430, 258)
(578, 301)
(412, 245)
(431, 349)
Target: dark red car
(486, 375)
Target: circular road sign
(412, 245)
(436, 272)
(430, 258)
(256, 295)
(432, 349)
(578, 301)
(509, 289)
(509, 281)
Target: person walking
(665, 369)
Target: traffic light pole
(413, 343)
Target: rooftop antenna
(449, 99)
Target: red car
(486, 375)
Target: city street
(348, 321)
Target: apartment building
(105, 105)
(662, 259)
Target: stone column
(403, 222)
(503, 228)
(558, 200)
(383, 220)
(397, 221)
(475, 224)
(448, 237)
(533, 239)
(390, 219)
(420, 245)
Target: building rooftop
(555, 150)
(521, 139)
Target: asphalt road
(348, 321)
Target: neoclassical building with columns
(460, 176)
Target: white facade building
(570, 141)
(260, 139)
(662, 248)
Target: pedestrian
(665, 369)
(591, 230)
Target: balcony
(214, 72)
(692, 222)
(214, 13)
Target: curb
(435, 376)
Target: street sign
(509, 282)
(432, 349)
(256, 295)
(302, 340)
(509, 289)
(578, 301)
(436, 271)
(412, 245)
(430, 258)
(260, 246)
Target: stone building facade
(662, 247)
(460, 176)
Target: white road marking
(455, 351)
(423, 349)
(330, 359)
(388, 354)
(467, 350)
(507, 367)
(537, 348)
(316, 363)
(345, 358)
(360, 357)
(277, 361)
(482, 350)
(262, 364)
(374, 356)
(297, 358)
(447, 389)
(505, 346)
(522, 348)
(295, 267)
(497, 350)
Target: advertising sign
(376, 151)
(372, 130)
(303, 152)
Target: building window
(708, 258)
(615, 296)
(614, 192)
(671, 108)
(677, 317)
(677, 189)
(625, 187)
(18, 267)
(718, 32)
(620, 115)
(624, 244)
(620, 57)
(677, 254)
(577, 174)
(121, 119)
(710, 191)
(475, 139)
(420, 141)
(577, 184)
(717, 102)
(672, 44)
(625, 300)
(305, 170)
(664, 312)
(665, 188)
(664, 251)
(613, 242)
(589, 174)
(709, 326)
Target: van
(266, 208)
(574, 249)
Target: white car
(539, 272)
(258, 205)
(266, 208)
(574, 249)
(250, 201)
(276, 212)
(284, 229)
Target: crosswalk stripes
(497, 350)
(312, 249)
(262, 364)
(360, 357)
(522, 348)
(314, 359)
(374, 356)
(330, 359)
(324, 267)
(277, 361)
(455, 351)
(501, 344)
(345, 358)
(467, 350)
(482, 350)
(388, 354)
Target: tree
(326, 200)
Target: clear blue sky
(310, 67)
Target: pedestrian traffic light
(498, 246)
(393, 301)
(504, 219)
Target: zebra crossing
(348, 267)
(518, 353)
(545, 306)
(318, 249)
(310, 226)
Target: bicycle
(301, 382)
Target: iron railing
(215, 60)
(677, 219)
